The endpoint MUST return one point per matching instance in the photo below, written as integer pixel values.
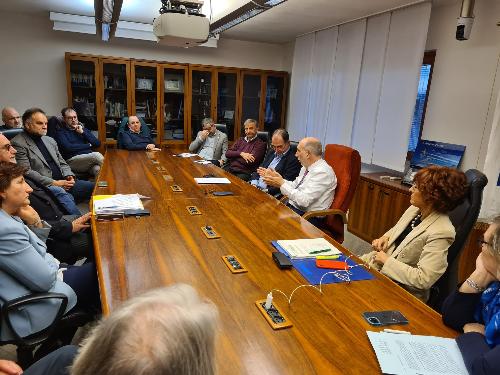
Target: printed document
(108, 204)
(307, 248)
(417, 355)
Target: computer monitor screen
(437, 153)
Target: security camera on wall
(181, 23)
(464, 27)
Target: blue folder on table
(307, 268)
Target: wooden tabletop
(136, 254)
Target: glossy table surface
(136, 254)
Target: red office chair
(346, 164)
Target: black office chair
(463, 218)
(11, 133)
(221, 127)
(53, 125)
(293, 146)
(58, 333)
(264, 136)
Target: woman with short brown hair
(414, 252)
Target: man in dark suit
(281, 159)
(41, 156)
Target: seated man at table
(11, 119)
(315, 185)
(281, 159)
(132, 139)
(210, 143)
(76, 142)
(69, 238)
(246, 154)
(169, 330)
(41, 156)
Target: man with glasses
(210, 143)
(280, 159)
(76, 142)
(10, 118)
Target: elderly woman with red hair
(414, 252)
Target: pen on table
(388, 330)
(319, 251)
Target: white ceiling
(278, 25)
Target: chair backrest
(11, 133)
(346, 163)
(221, 127)
(264, 136)
(463, 218)
(123, 126)
(54, 123)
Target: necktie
(301, 181)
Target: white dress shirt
(315, 190)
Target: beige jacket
(420, 259)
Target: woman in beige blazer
(413, 253)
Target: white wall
(462, 95)
(32, 68)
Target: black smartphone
(222, 193)
(384, 318)
(281, 260)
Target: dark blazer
(288, 167)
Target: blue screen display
(437, 153)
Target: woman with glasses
(413, 253)
(474, 308)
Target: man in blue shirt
(280, 159)
(75, 143)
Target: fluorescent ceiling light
(243, 13)
(124, 29)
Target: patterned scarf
(488, 312)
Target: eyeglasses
(7, 147)
(482, 242)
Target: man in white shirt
(314, 188)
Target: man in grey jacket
(41, 156)
(210, 143)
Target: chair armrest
(329, 212)
(13, 305)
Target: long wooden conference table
(137, 254)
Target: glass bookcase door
(83, 92)
(201, 91)
(174, 104)
(146, 96)
(250, 106)
(115, 97)
(226, 101)
(273, 106)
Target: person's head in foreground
(164, 331)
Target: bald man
(314, 188)
(10, 118)
(133, 139)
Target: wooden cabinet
(377, 205)
(172, 99)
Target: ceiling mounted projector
(181, 23)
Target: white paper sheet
(185, 155)
(203, 161)
(417, 355)
(118, 203)
(212, 180)
(303, 248)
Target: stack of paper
(307, 248)
(186, 155)
(113, 204)
(417, 355)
